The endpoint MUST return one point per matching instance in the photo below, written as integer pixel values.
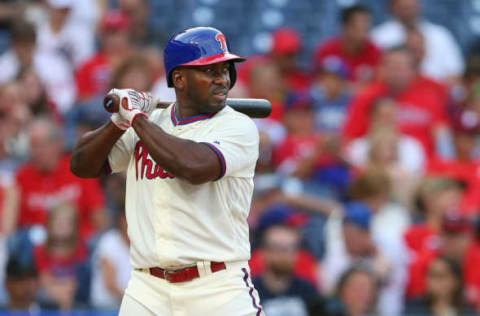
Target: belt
(183, 275)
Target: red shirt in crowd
(305, 265)
(420, 238)
(294, 148)
(40, 191)
(421, 107)
(422, 242)
(467, 172)
(471, 274)
(93, 76)
(59, 266)
(361, 66)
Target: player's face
(207, 86)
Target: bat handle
(111, 102)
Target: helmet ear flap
(233, 74)
(169, 79)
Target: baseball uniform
(173, 224)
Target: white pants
(226, 292)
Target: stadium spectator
(20, 54)
(265, 81)
(444, 293)
(310, 156)
(353, 46)
(281, 292)
(330, 95)
(93, 77)
(297, 154)
(465, 165)
(34, 94)
(457, 244)
(347, 238)
(421, 109)
(443, 58)
(405, 151)
(46, 180)
(281, 201)
(436, 196)
(59, 259)
(15, 116)
(133, 73)
(349, 241)
(283, 55)
(415, 43)
(142, 33)
(111, 269)
(59, 34)
(52, 69)
(390, 219)
(22, 285)
(356, 292)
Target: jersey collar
(176, 121)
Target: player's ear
(178, 79)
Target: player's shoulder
(235, 123)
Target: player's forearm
(183, 158)
(91, 151)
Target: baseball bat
(254, 108)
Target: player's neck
(183, 110)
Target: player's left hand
(133, 104)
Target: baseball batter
(190, 174)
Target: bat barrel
(255, 108)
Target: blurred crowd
(367, 189)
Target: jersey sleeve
(121, 152)
(235, 142)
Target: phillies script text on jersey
(149, 168)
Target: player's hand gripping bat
(255, 108)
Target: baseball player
(190, 174)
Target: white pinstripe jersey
(172, 223)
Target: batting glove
(119, 121)
(133, 103)
(143, 100)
